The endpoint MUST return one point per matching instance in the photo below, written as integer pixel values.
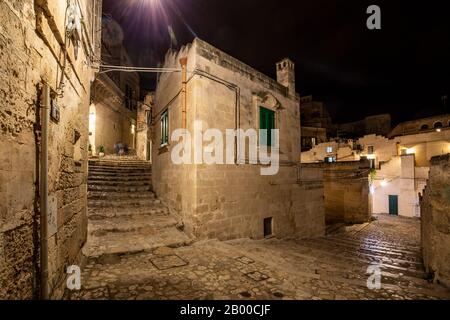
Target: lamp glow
(384, 183)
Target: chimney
(286, 74)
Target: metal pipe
(45, 113)
(183, 62)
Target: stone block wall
(346, 191)
(231, 201)
(32, 38)
(435, 215)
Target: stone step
(121, 244)
(145, 177)
(118, 173)
(113, 212)
(368, 240)
(390, 263)
(122, 203)
(141, 223)
(120, 188)
(100, 195)
(119, 164)
(100, 182)
(393, 250)
(120, 168)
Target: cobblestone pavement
(332, 267)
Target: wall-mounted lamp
(384, 183)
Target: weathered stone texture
(232, 201)
(346, 191)
(435, 211)
(31, 51)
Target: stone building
(48, 51)
(400, 165)
(435, 209)
(143, 130)
(318, 127)
(429, 124)
(114, 97)
(227, 201)
(316, 123)
(378, 124)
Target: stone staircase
(124, 216)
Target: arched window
(438, 125)
(424, 127)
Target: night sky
(403, 69)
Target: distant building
(316, 122)
(318, 127)
(378, 124)
(400, 164)
(421, 125)
(114, 97)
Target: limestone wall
(232, 201)
(346, 191)
(435, 211)
(31, 40)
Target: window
(128, 97)
(424, 127)
(438, 125)
(370, 149)
(330, 159)
(165, 128)
(329, 149)
(266, 124)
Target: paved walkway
(332, 267)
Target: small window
(438, 125)
(424, 127)
(330, 159)
(329, 149)
(128, 97)
(370, 149)
(268, 227)
(266, 124)
(165, 128)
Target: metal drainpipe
(45, 111)
(183, 62)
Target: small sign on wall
(52, 217)
(54, 112)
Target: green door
(393, 205)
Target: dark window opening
(128, 97)
(268, 227)
(438, 125)
(266, 124)
(165, 128)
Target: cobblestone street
(332, 267)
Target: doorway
(393, 205)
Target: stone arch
(438, 125)
(424, 127)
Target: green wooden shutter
(266, 124)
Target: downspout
(183, 62)
(45, 111)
